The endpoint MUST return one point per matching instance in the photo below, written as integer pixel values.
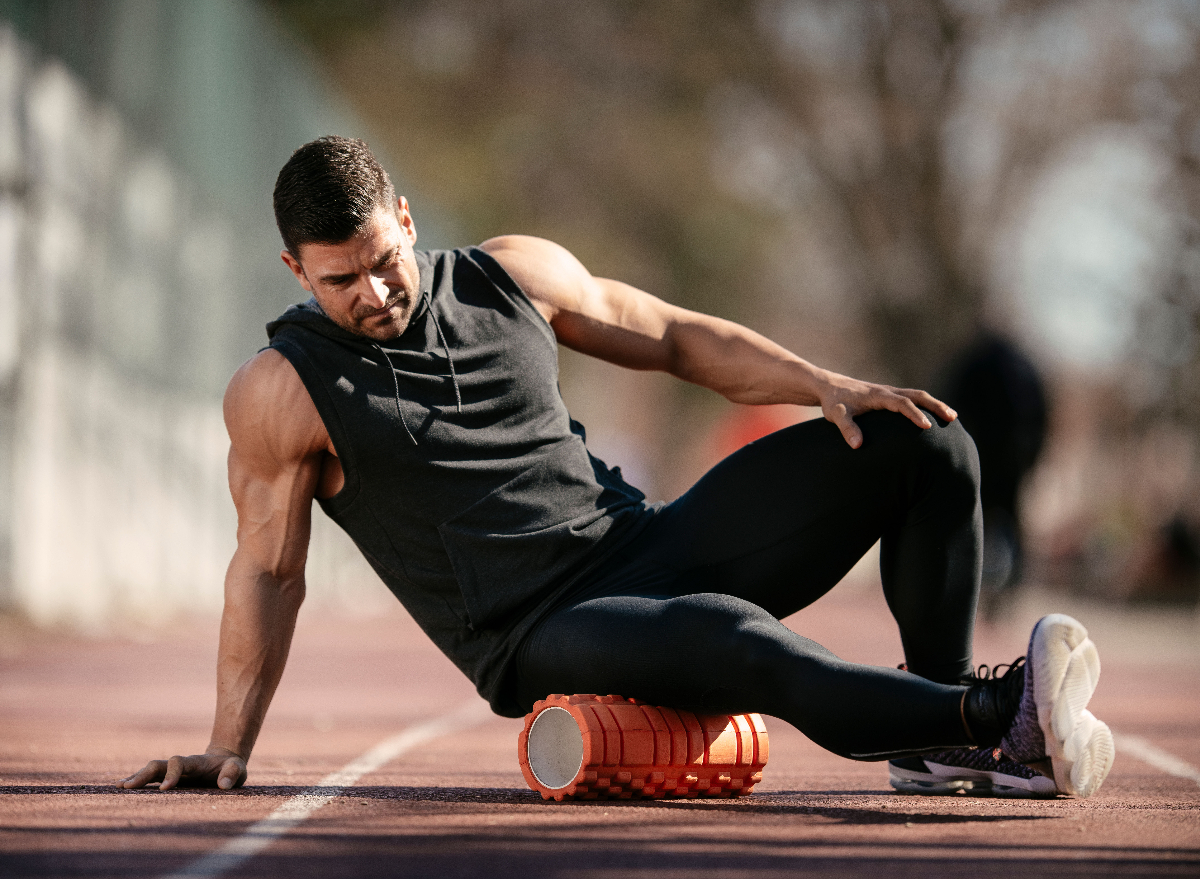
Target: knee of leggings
(951, 452)
(945, 451)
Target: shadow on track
(531, 853)
(512, 832)
(773, 803)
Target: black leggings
(687, 614)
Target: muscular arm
(626, 326)
(277, 444)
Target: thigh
(781, 521)
(675, 651)
(720, 654)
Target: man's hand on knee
(843, 397)
(217, 767)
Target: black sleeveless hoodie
(468, 487)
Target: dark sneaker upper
(994, 701)
(1024, 739)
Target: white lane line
(299, 807)
(1140, 749)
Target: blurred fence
(134, 277)
(121, 505)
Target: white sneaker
(1052, 721)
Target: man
(415, 397)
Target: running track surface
(78, 712)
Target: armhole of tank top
(328, 414)
(504, 282)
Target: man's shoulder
(266, 372)
(266, 401)
(519, 250)
(546, 272)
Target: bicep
(598, 316)
(274, 513)
(620, 324)
(274, 464)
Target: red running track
(76, 713)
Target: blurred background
(999, 201)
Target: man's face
(368, 284)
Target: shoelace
(984, 672)
(992, 672)
(1006, 689)
(1009, 686)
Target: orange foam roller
(596, 747)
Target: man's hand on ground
(216, 768)
(842, 398)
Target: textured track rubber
(631, 749)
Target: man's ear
(294, 264)
(404, 217)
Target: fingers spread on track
(175, 767)
(232, 775)
(149, 774)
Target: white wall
(117, 286)
(124, 511)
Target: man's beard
(397, 323)
(364, 314)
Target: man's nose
(376, 293)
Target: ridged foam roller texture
(595, 747)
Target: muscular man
(415, 397)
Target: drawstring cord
(449, 359)
(445, 347)
(396, 385)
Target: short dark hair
(328, 191)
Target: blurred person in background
(415, 397)
(1001, 401)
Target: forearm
(626, 326)
(740, 364)
(748, 368)
(256, 634)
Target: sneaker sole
(1066, 669)
(972, 782)
(1089, 751)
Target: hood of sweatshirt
(312, 317)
